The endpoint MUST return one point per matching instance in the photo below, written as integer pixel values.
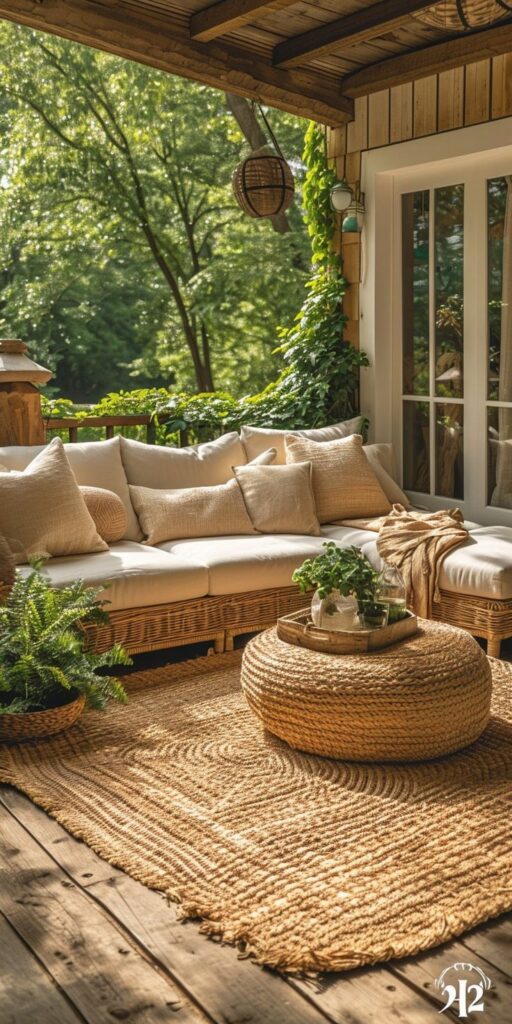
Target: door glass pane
(416, 447)
(499, 219)
(449, 451)
(415, 297)
(499, 458)
(449, 290)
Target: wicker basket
(263, 184)
(39, 724)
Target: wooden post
(21, 422)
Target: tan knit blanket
(417, 542)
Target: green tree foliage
(124, 258)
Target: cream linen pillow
(380, 457)
(202, 465)
(344, 484)
(94, 464)
(256, 439)
(267, 458)
(42, 511)
(279, 499)
(191, 512)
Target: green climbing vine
(319, 380)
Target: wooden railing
(109, 424)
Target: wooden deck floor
(80, 941)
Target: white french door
(451, 333)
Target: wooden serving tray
(298, 629)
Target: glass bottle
(390, 590)
(334, 612)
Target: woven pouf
(424, 697)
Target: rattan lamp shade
(461, 15)
(263, 184)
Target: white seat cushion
(238, 565)
(139, 576)
(482, 566)
(346, 536)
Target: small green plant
(43, 661)
(344, 569)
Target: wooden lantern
(263, 184)
(21, 422)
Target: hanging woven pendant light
(263, 183)
(463, 15)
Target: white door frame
(468, 155)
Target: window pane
(416, 447)
(499, 458)
(415, 299)
(449, 451)
(449, 290)
(499, 219)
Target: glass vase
(391, 591)
(373, 614)
(334, 612)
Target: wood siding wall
(453, 99)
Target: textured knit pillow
(190, 512)
(344, 483)
(279, 499)
(42, 511)
(107, 511)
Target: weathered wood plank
(226, 987)
(429, 60)
(450, 99)
(378, 119)
(401, 117)
(425, 106)
(493, 942)
(477, 92)
(226, 16)
(26, 990)
(501, 104)
(424, 969)
(357, 130)
(368, 996)
(101, 971)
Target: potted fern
(345, 585)
(47, 676)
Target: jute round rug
(305, 862)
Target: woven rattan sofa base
(218, 618)
(221, 618)
(491, 620)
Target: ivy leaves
(343, 569)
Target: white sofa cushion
(256, 439)
(94, 464)
(238, 565)
(380, 457)
(482, 566)
(138, 576)
(202, 465)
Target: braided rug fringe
(305, 863)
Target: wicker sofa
(214, 588)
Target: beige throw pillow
(256, 439)
(279, 499)
(107, 511)
(380, 457)
(191, 512)
(266, 458)
(344, 484)
(42, 511)
(202, 465)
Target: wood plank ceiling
(311, 58)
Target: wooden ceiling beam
(430, 60)
(338, 35)
(164, 44)
(224, 17)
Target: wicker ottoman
(427, 696)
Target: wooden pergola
(310, 58)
